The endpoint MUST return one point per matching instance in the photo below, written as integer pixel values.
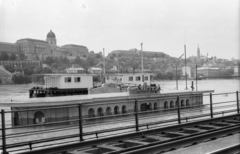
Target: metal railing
(82, 128)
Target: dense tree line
(5, 56)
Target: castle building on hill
(35, 49)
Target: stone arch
(39, 117)
(146, 106)
(182, 103)
(91, 112)
(124, 109)
(165, 105)
(100, 112)
(171, 104)
(116, 110)
(187, 102)
(108, 111)
(155, 107)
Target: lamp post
(176, 72)
(142, 62)
(185, 66)
(196, 77)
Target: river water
(8, 92)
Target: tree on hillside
(12, 57)
(10, 68)
(133, 63)
(49, 60)
(98, 56)
(77, 60)
(28, 70)
(4, 56)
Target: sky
(161, 25)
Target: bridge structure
(137, 131)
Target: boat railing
(23, 134)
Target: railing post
(179, 112)
(237, 102)
(80, 122)
(4, 150)
(136, 114)
(211, 105)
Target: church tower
(51, 38)
(198, 52)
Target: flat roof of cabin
(67, 74)
(25, 101)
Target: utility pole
(142, 62)
(185, 66)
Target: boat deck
(76, 99)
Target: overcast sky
(161, 25)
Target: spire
(198, 52)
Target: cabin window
(77, 79)
(67, 79)
(130, 78)
(146, 78)
(138, 78)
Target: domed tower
(51, 38)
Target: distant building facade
(75, 50)
(137, 53)
(15, 63)
(95, 70)
(74, 70)
(208, 72)
(186, 71)
(237, 69)
(35, 49)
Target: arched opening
(165, 105)
(187, 102)
(124, 109)
(16, 120)
(155, 106)
(91, 113)
(108, 111)
(39, 117)
(182, 103)
(116, 110)
(171, 104)
(146, 106)
(100, 112)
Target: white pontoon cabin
(60, 84)
(129, 79)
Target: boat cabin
(129, 79)
(60, 84)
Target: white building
(95, 70)
(187, 70)
(68, 81)
(74, 70)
